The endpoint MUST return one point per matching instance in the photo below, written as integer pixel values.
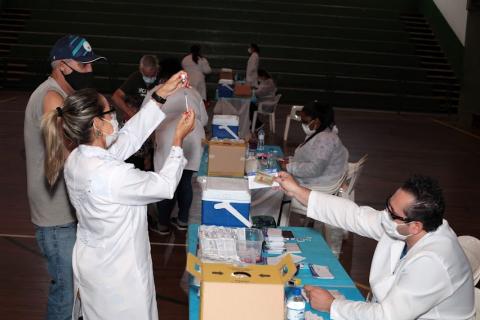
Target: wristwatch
(157, 98)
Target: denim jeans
(183, 195)
(56, 244)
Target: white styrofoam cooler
(226, 202)
(225, 126)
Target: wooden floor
(398, 145)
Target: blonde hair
(71, 123)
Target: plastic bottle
(296, 305)
(261, 140)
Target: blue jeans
(56, 244)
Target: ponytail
(54, 145)
(72, 124)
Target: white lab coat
(112, 265)
(252, 69)
(192, 144)
(196, 73)
(432, 281)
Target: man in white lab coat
(419, 270)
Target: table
(239, 106)
(203, 169)
(314, 249)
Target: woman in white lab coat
(112, 266)
(197, 67)
(419, 270)
(252, 65)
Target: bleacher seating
(357, 54)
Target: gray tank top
(49, 206)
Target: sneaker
(160, 229)
(182, 226)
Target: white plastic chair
(345, 188)
(267, 107)
(477, 303)
(471, 247)
(292, 116)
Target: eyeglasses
(393, 215)
(112, 109)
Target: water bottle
(296, 305)
(261, 140)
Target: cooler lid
(226, 189)
(225, 119)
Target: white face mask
(249, 50)
(112, 137)
(307, 130)
(149, 80)
(390, 227)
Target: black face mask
(79, 80)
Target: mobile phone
(287, 234)
(320, 272)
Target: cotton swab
(186, 99)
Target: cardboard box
(253, 292)
(226, 202)
(243, 90)
(225, 126)
(226, 158)
(226, 74)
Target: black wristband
(157, 98)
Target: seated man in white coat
(419, 270)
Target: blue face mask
(149, 80)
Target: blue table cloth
(314, 249)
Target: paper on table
(275, 260)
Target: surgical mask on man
(390, 227)
(79, 80)
(307, 130)
(148, 80)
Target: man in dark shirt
(137, 85)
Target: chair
(347, 190)
(344, 187)
(471, 247)
(292, 116)
(267, 107)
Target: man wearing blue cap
(51, 212)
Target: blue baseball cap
(73, 47)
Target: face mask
(249, 50)
(149, 80)
(391, 227)
(307, 130)
(111, 138)
(79, 80)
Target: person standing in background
(51, 212)
(197, 67)
(252, 65)
(137, 85)
(192, 148)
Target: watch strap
(157, 98)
